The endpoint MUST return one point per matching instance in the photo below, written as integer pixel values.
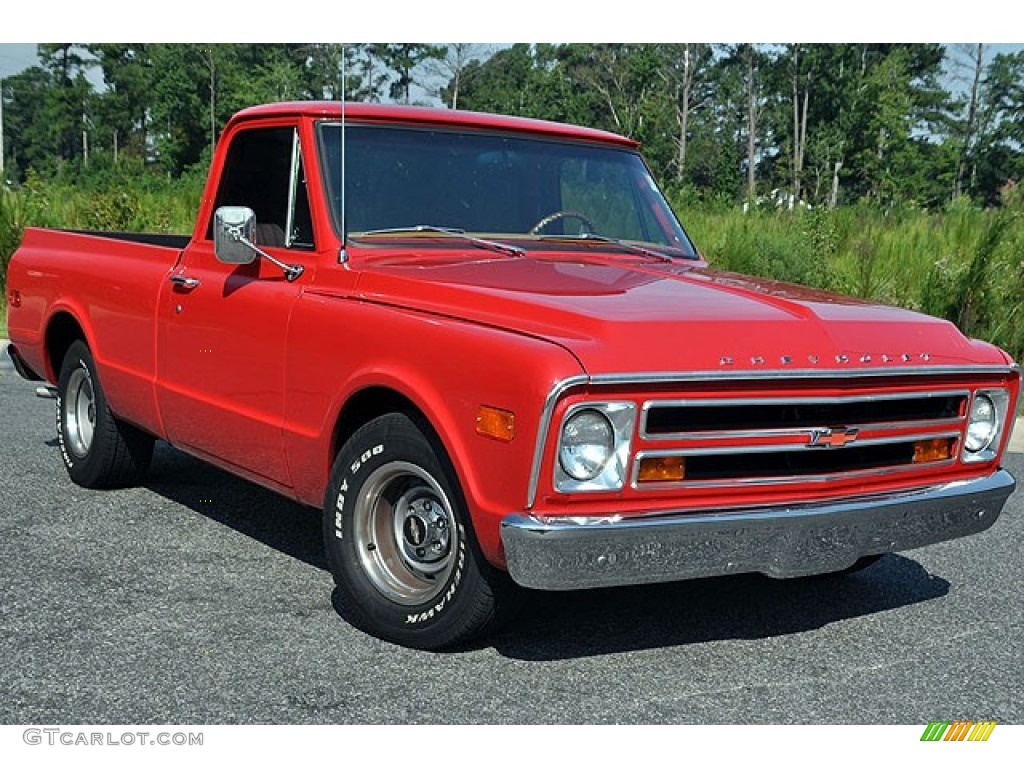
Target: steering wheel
(588, 225)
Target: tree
(801, 75)
(69, 98)
(522, 80)
(29, 141)
(186, 109)
(403, 59)
(969, 67)
(747, 62)
(122, 109)
(449, 69)
(1000, 155)
(684, 69)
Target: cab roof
(393, 113)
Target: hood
(620, 313)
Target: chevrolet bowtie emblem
(832, 438)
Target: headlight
(982, 425)
(989, 412)
(593, 447)
(586, 446)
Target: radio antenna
(343, 256)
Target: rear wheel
(399, 540)
(99, 450)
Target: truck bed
(160, 239)
(109, 283)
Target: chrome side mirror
(233, 230)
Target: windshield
(494, 184)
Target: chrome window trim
(293, 180)
(559, 388)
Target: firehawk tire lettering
(414, 618)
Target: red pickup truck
(487, 350)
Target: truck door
(222, 328)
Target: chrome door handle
(181, 281)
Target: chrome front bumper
(580, 553)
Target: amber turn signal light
(939, 449)
(661, 469)
(496, 423)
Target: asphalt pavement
(200, 598)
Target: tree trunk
(799, 122)
(455, 88)
(751, 125)
(834, 199)
(683, 111)
(213, 114)
(85, 142)
(2, 177)
(803, 132)
(795, 91)
(970, 129)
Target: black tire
(99, 451)
(400, 544)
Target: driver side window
(264, 172)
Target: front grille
(799, 463)
(682, 417)
(761, 441)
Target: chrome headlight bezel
(611, 475)
(991, 438)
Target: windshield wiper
(590, 236)
(508, 250)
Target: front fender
(446, 368)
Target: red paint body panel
(252, 372)
(424, 116)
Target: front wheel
(399, 541)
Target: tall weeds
(123, 201)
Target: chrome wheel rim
(80, 412)
(405, 533)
